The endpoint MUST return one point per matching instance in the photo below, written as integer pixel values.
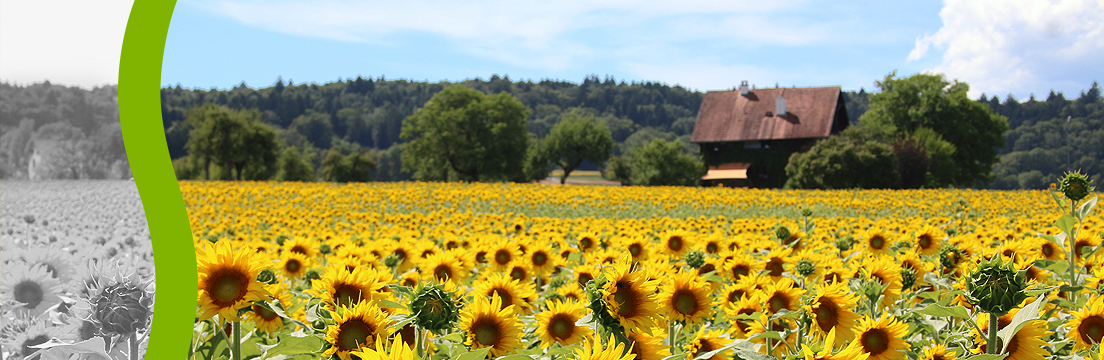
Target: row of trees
(56, 132)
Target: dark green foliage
(294, 167)
(354, 167)
(462, 134)
(315, 126)
(1049, 138)
(912, 163)
(930, 101)
(389, 165)
(662, 162)
(237, 141)
(574, 140)
(853, 159)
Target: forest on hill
(57, 132)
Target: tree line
(51, 131)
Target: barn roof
(728, 116)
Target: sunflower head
(122, 308)
(1076, 186)
(996, 287)
(267, 276)
(434, 309)
(805, 267)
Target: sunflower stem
(1073, 254)
(992, 344)
(134, 347)
(237, 341)
(419, 341)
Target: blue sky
(997, 46)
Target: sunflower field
(529, 271)
(78, 270)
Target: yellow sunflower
(929, 240)
(676, 243)
(648, 347)
(637, 246)
(686, 298)
(541, 259)
(592, 350)
(587, 241)
(301, 246)
(557, 324)
(1087, 325)
(876, 242)
(571, 291)
(293, 265)
(1027, 343)
(706, 341)
(268, 321)
(399, 350)
(511, 292)
(340, 287)
(630, 296)
(444, 265)
(354, 328)
(775, 262)
(888, 272)
(227, 281)
(489, 324)
(882, 338)
(781, 295)
(501, 254)
(937, 352)
(831, 309)
(745, 306)
(852, 351)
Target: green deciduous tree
(316, 126)
(236, 140)
(462, 134)
(662, 162)
(857, 158)
(354, 167)
(577, 139)
(930, 101)
(294, 166)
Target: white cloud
(70, 42)
(1019, 47)
(532, 34)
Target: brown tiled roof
(728, 116)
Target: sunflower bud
(267, 276)
(325, 249)
(844, 243)
(1076, 186)
(996, 287)
(30, 219)
(313, 274)
(434, 309)
(949, 257)
(122, 309)
(392, 260)
(806, 212)
(908, 277)
(805, 267)
(782, 232)
(695, 259)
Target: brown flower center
(740, 270)
(1091, 329)
(778, 302)
(877, 242)
(503, 257)
(37, 340)
(299, 249)
(227, 286)
(925, 241)
(561, 326)
(265, 313)
(685, 302)
(507, 300)
(635, 249)
(486, 332)
(518, 273)
(775, 266)
(540, 258)
(353, 334)
(675, 243)
(346, 294)
(874, 341)
(627, 300)
(29, 293)
(827, 315)
(292, 266)
(443, 271)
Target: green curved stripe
(144, 137)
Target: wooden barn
(747, 135)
